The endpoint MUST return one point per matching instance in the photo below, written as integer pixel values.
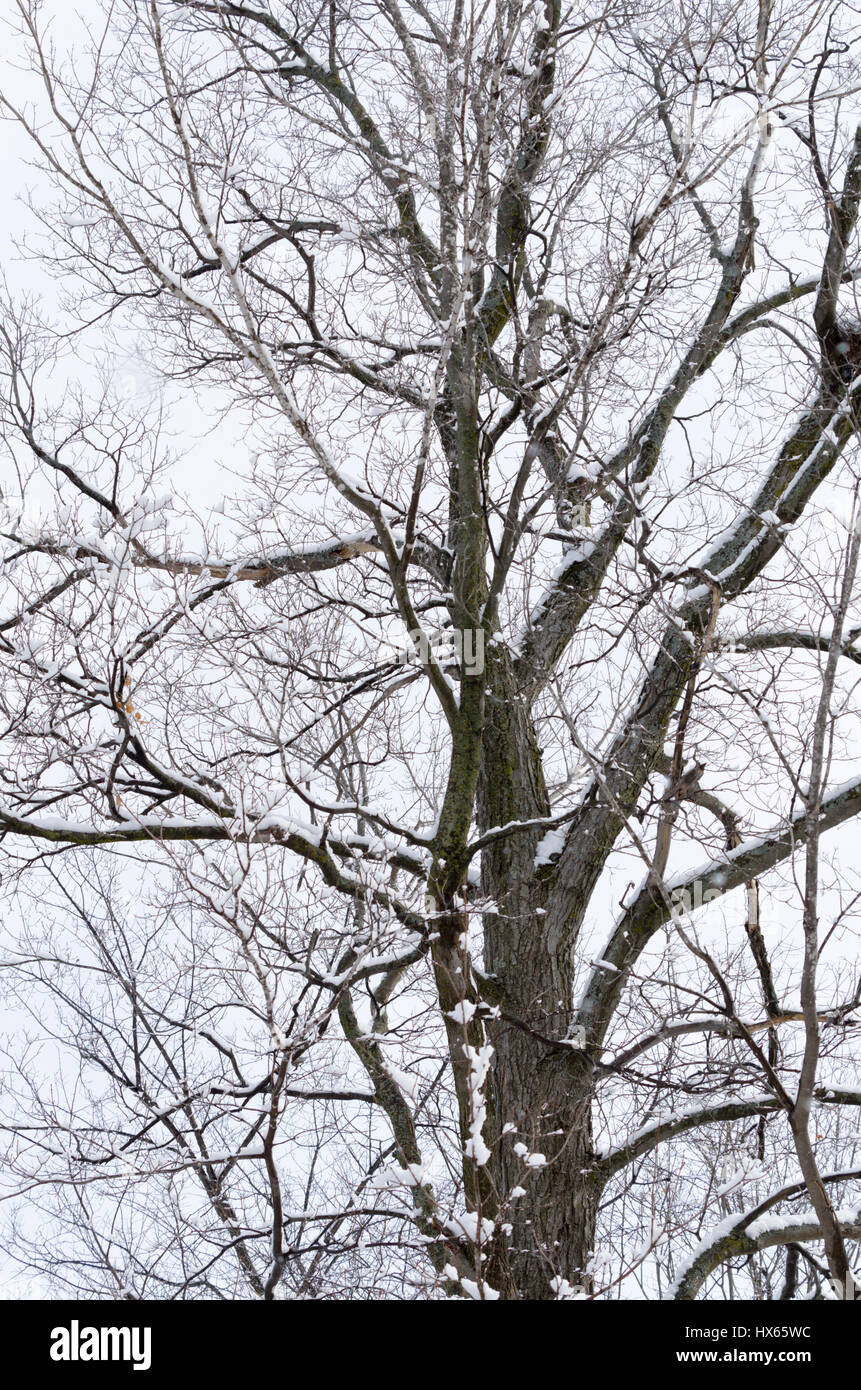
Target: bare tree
(426, 705)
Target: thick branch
(651, 1136)
(649, 911)
(747, 1237)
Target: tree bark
(543, 1094)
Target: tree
(353, 822)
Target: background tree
(481, 558)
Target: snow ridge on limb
(308, 842)
(649, 911)
(746, 1234)
(614, 1159)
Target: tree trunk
(545, 1093)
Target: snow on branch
(745, 1235)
